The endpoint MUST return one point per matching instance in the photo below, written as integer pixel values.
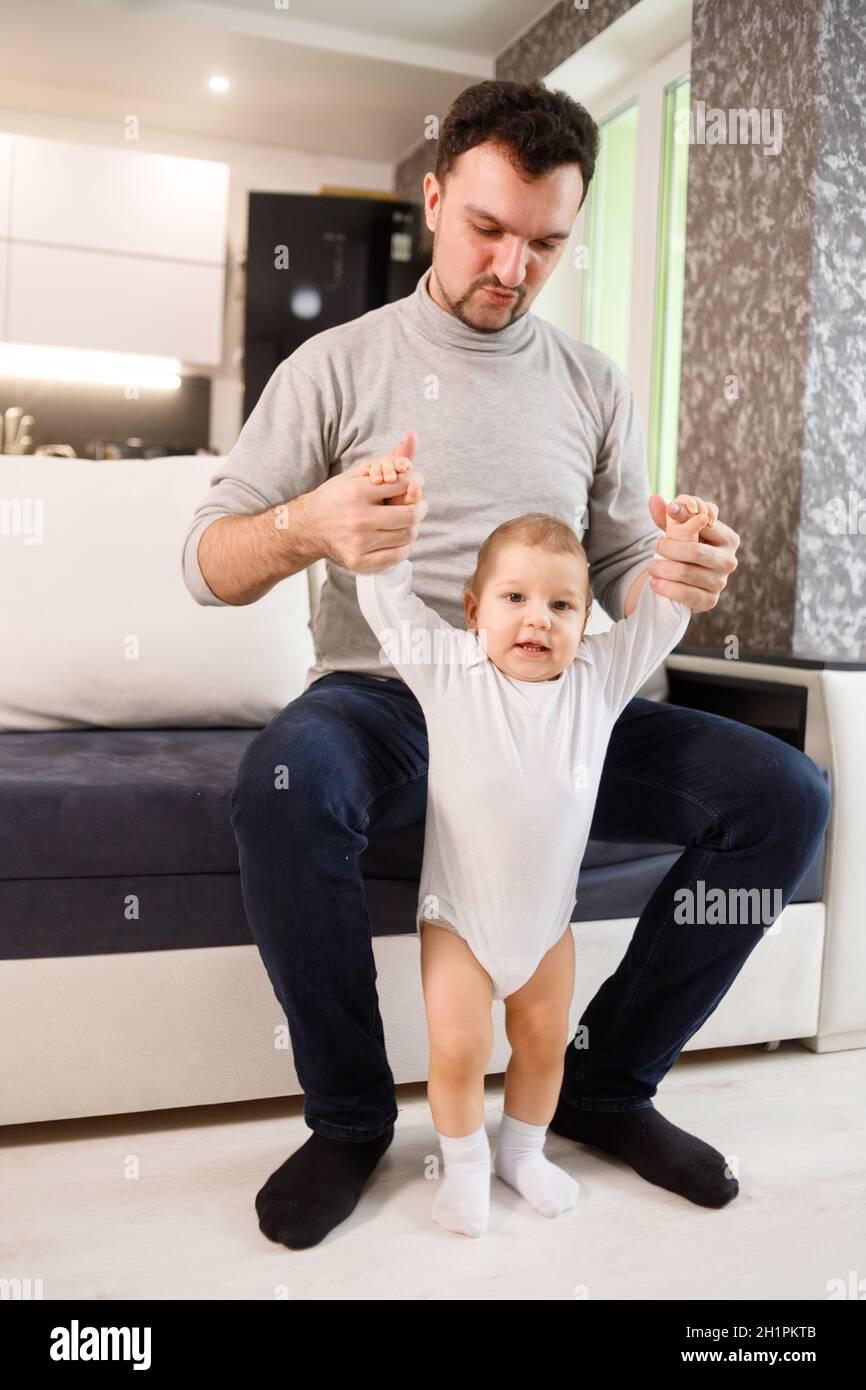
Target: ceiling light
(218, 84)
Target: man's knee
(800, 796)
(817, 796)
(290, 770)
(258, 774)
(771, 790)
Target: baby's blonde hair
(532, 528)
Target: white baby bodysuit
(514, 766)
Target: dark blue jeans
(348, 758)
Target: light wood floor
(793, 1122)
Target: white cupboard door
(5, 176)
(4, 256)
(93, 299)
(143, 204)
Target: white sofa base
(835, 1042)
(114, 1034)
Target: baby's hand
(698, 514)
(387, 470)
(384, 470)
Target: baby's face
(531, 597)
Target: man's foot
(316, 1188)
(659, 1151)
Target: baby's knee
(537, 1036)
(461, 1050)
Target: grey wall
(774, 296)
(409, 180)
(831, 577)
(556, 35)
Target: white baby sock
(520, 1162)
(463, 1200)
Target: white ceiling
(325, 76)
(483, 27)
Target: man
(509, 415)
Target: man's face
(495, 230)
(530, 597)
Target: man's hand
(693, 572)
(355, 521)
(387, 469)
(687, 516)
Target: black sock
(316, 1188)
(659, 1151)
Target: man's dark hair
(540, 128)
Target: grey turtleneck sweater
(522, 419)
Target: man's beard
(458, 307)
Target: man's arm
(282, 454)
(242, 557)
(691, 571)
(682, 534)
(620, 537)
(345, 519)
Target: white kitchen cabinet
(4, 245)
(5, 175)
(124, 199)
(121, 250)
(98, 299)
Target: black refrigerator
(314, 261)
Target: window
(670, 271)
(606, 298)
(619, 284)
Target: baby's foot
(520, 1162)
(463, 1201)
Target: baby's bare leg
(536, 1024)
(458, 994)
(536, 1021)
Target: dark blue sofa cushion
(92, 816)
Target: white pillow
(96, 624)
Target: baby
(519, 709)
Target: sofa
(128, 977)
